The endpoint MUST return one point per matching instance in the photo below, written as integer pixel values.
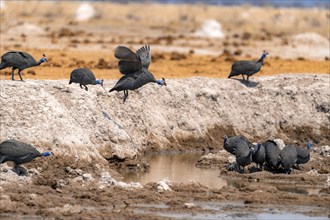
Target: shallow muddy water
(178, 168)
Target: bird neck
(37, 63)
(263, 56)
(99, 82)
(258, 148)
(309, 145)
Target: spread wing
(144, 55)
(129, 61)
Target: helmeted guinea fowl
(134, 66)
(230, 143)
(259, 155)
(303, 154)
(247, 67)
(19, 152)
(272, 154)
(288, 157)
(243, 155)
(19, 60)
(84, 77)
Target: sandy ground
(51, 28)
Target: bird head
(309, 144)
(99, 81)
(264, 54)
(43, 59)
(225, 138)
(161, 82)
(46, 154)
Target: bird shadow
(246, 83)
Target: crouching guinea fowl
(303, 154)
(259, 155)
(19, 153)
(134, 67)
(84, 77)
(247, 67)
(230, 143)
(288, 157)
(273, 152)
(243, 155)
(19, 60)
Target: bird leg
(125, 94)
(12, 73)
(243, 76)
(80, 86)
(19, 73)
(21, 171)
(248, 78)
(86, 87)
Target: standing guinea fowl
(19, 152)
(19, 60)
(243, 155)
(272, 154)
(84, 77)
(259, 155)
(247, 67)
(134, 66)
(288, 157)
(230, 143)
(303, 154)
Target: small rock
(325, 151)
(280, 143)
(87, 176)
(58, 190)
(163, 185)
(79, 172)
(313, 172)
(189, 205)
(232, 159)
(32, 196)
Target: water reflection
(179, 168)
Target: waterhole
(178, 168)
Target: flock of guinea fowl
(134, 67)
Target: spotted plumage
(19, 60)
(134, 67)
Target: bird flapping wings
(145, 55)
(131, 62)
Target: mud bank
(87, 130)
(190, 114)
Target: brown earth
(52, 191)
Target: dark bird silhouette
(303, 154)
(19, 60)
(259, 155)
(243, 155)
(230, 143)
(272, 154)
(134, 67)
(84, 77)
(19, 152)
(288, 157)
(247, 67)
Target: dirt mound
(190, 113)
(310, 39)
